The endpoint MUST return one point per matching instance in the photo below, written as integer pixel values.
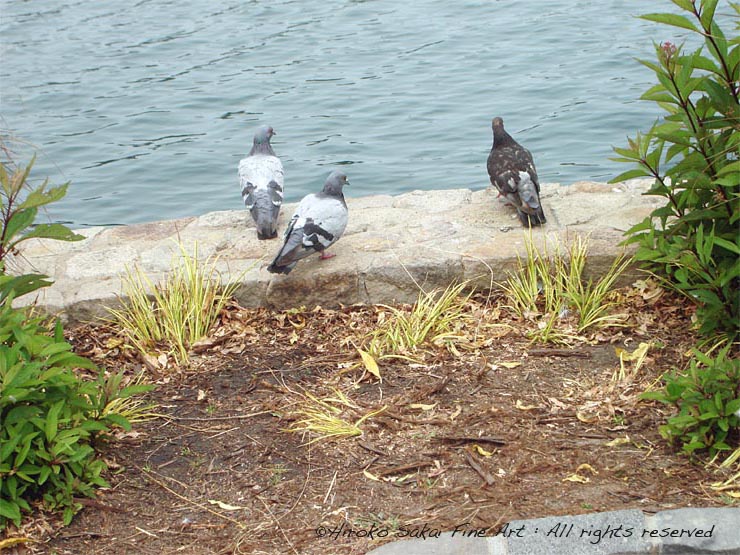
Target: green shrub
(50, 416)
(708, 398)
(692, 242)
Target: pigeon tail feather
(264, 212)
(275, 269)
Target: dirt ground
(495, 430)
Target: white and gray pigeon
(318, 223)
(261, 181)
(512, 172)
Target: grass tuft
(323, 417)
(437, 317)
(551, 290)
(132, 408)
(176, 313)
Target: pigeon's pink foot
(325, 256)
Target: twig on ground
(149, 476)
(404, 467)
(212, 418)
(558, 353)
(482, 473)
(372, 449)
(471, 439)
(98, 505)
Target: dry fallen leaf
(401, 479)
(586, 466)
(225, 506)
(588, 419)
(458, 410)
(201, 395)
(422, 406)
(618, 441)
(482, 451)
(370, 364)
(113, 342)
(10, 542)
(576, 477)
(522, 406)
(370, 476)
(510, 364)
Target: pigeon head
(500, 136)
(334, 183)
(263, 134)
(261, 144)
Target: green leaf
(706, 64)
(119, 420)
(10, 510)
(694, 446)
(44, 474)
(671, 19)
(54, 348)
(50, 428)
(40, 197)
(651, 65)
(9, 446)
(733, 168)
(725, 244)
(684, 4)
(629, 174)
(627, 153)
(19, 221)
(707, 12)
(21, 285)
(53, 231)
(23, 453)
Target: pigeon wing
(261, 171)
(261, 180)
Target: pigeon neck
(333, 192)
(261, 148)
(501, 138)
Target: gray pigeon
(261, 181)
(512, 172)
(318, 223)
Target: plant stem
(727, 76)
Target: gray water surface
(147, 107)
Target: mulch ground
(494, 430)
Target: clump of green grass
(132, 408)
(177, 312)
(551, 289)
(437, 317)
(324, 419)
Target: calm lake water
(147, 107)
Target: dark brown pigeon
(512, 172)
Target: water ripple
(127, 101)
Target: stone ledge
(392, 245)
